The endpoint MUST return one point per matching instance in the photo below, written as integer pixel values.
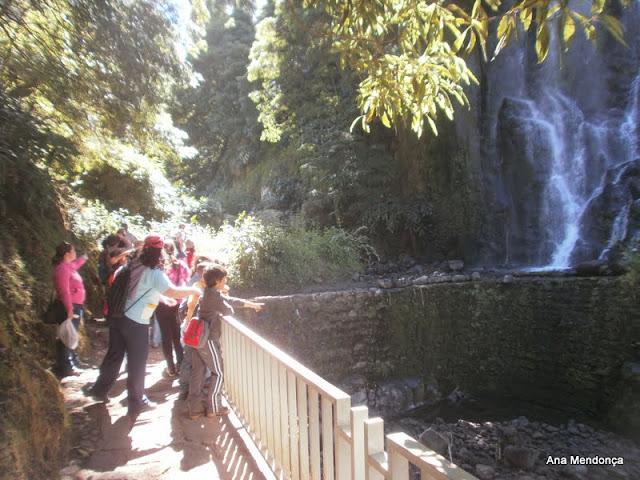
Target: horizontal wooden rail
(306, 428)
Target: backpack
(117, 293)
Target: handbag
(193, 333)
(55, 313)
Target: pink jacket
(179, 274)
(68, 283)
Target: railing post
(284, 422)
(374, 441)
(293, 424)
(358, 416)
(327, 439)
(398, 464)
(277, 430)
(303, 424)
(269, 408)
(314, 433)
(343, 446)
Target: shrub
(272, 258)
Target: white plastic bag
(68, 334)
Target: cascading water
(572, 139)
(567, 147)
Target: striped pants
(202, 359)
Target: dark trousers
(170, 330)
(66, 358)
(202, 359)
(125, 336)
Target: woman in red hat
(147, 284)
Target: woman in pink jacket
(167, 311)
(70, 291)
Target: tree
(409, 53)
(85, 65)
(217, 113)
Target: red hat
(153, 241)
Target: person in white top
(129, 333)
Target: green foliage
(267, 56)
(400, 215)
(33, 436)
(409, 53)
(129, 189)
(271, 258)
(216, 112)
(86, 64)
(92, 221)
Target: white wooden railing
(306, 428)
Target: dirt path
(162, 443)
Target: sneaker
(195, 415)
(69, 372)
(221, 412)
(90, 392)
(171, 371)
(141, 406)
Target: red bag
(193, 333)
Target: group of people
(160, 284)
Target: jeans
(156, 336)
(125, 336)
(170, 328)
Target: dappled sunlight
(160, 443)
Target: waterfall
(618, 231)
(629, 129)
(571, 151)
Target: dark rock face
(614, 212)
(525, 160)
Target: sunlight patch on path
(162, 443)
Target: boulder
(592, 268)
(608, 220)
(575, 472)
(436, 441)
(455, 265)
(525, 154)
(520, 457)
(485, 472)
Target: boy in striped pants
(213, 305)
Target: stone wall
(560, 342)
